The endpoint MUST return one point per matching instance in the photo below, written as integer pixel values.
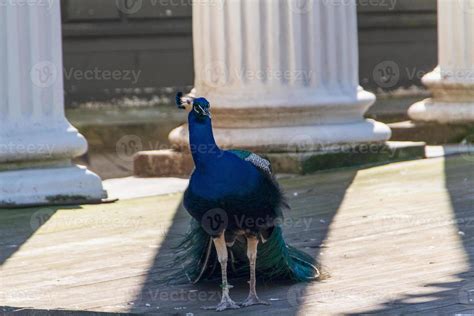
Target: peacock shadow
(314, 200)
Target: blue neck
(201, 139)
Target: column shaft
(276, 71)
(452, 82)
(37, 142)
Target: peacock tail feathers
(193, 255)
(276, 260)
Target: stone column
(37, 142)
(452, 82)
(282, 80)
(281, 75)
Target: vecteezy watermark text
(102, 74)
(45, 74)
(23, 3)
(41, 149)
(215, 221)
(133, 6)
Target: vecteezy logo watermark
(386, 74)
(300, 6)
(155, 296)
(40, 217)
(103, 74)
(301, 143)
(29, 149)
(127, 146)
(214, 221)
(129, 6)
(295, 294)
(215, 73)
(133, 6)
(262, 74)
(389, 4)
(44, 74)
(243, 221)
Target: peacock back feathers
(259, 162)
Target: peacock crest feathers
(179, 101)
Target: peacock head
(200, 106)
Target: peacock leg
(226, 301)
(252, 299)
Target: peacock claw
(223, 305)
(253, 300)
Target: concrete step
(168, 163)
(393, 109)
(431, 133)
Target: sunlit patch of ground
(391, 239)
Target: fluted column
(281, 73)
(36, 140)
(452, 82)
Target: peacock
(236, 207)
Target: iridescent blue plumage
(233, 197)
(223, 180)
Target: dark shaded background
(397, 42)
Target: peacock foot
(253, 299)
(226, 303)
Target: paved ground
(132, 187)
(394, 239)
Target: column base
(288, 147)
(431, 110)
(346, 156)
(308, 138)
(50, 186)
(171, 163)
